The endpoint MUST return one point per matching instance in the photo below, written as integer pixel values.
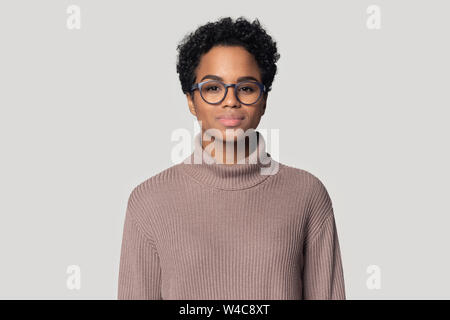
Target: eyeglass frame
(262, 90)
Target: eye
(212, 88)
(247, 89)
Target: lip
(230, 120)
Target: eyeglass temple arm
(194, 86)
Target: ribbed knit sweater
(209, 230)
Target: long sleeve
(323, 276)
(139, 270)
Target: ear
(190, 100)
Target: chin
(228, 133)
(234, 133)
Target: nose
(230, 98)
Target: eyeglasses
(214, 91)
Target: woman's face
(228, 64)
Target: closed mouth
(231, 117)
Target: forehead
(228, 62)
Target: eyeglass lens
(247, 92)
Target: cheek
(256, 112)
(255, 116)
(205, 114)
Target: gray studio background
(88, 114)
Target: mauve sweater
(204, 231)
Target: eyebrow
(214, 77)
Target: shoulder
(319, 207)
(318, 201)
(302, 179)
(156, 188)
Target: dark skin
(229, 63)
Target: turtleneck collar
(254, 169)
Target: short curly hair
(241, 32)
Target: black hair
(241, 32)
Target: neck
(231, 151)
(246, 172)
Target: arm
(323, 276)
(323, 273)
(139, 270)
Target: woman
(230, 222)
